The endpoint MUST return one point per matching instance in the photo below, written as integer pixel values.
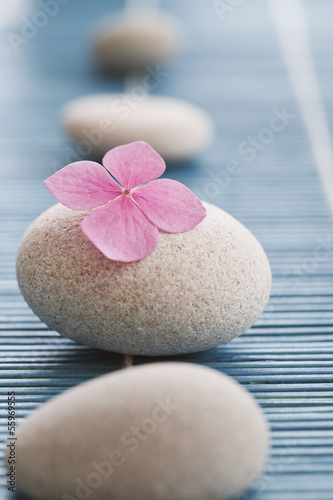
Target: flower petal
(171, 206)
(134, 164)
(121, 231)
(83, 185)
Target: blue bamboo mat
(233, 68)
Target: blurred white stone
(133, 40)
(175, 128)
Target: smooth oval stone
(176, 129)
(167, 431)
(196, 290)
(132, 41)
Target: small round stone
(197, 290)
(166, 431)
(175, 128)
(134, 40)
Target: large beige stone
(196, 290)
(175, 128)
(164, 431)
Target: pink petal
(134, 164)
(83, 185)
(121, 231)
(171, 206)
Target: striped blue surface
(233, 68)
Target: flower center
(127, 191)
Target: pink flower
(125, 227)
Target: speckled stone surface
(196, 290)
(175, 128)
(134, 40)
(164, 431)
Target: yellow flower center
(127, 191)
